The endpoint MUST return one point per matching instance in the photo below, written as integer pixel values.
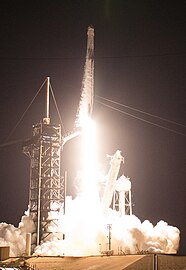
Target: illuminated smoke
(86, 233)
(16, 237)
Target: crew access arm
(115, 163)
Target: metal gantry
(47, 187)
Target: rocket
(87, 89)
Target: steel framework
(122, 202)
(47, 187)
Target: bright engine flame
(89, 148)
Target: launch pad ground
(127, 262)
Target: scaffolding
(47, 187)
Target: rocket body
(87, 89)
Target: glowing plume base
(86, 233)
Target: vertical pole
(46, 119)
(65, 190)
(155, 262)
(109, 227)
(39, 200)
(28, 244)
(130, 203)
(47, 97)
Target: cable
(6, 143)
(10, 143)
(57, 109)
(155, 116)
(98, 57)
(21, 118)
(141, 56)
(146, 121)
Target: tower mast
(46, 120)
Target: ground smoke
(86, 233)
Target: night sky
(140, 53)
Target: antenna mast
(46, 119)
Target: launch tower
(46, 192)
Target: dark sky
(140, 53)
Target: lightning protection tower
(47, 187)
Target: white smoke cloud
(86, 233)
(16, 237)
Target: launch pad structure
(47, 189)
